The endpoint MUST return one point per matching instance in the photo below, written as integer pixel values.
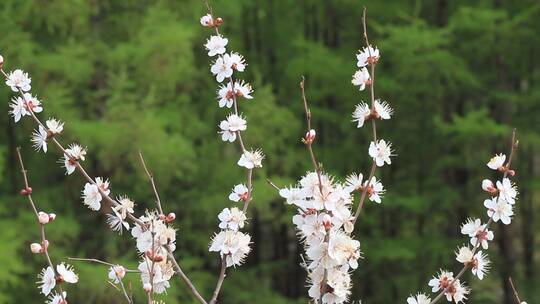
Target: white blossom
(73, 154)
(229, 127)
(477, 232)
(251, 159)
(222, 68)
(361, 78)
(116, 222)
(382, 109)
(464, 255)
(419, 299)
(497, 161)
(57, 298)
(354, 182)
(39, 139)
(344, 249)
(18, 79)
(499, 209)
(480, 265)
(361, 113)
(32, 103)
(238, 193)
(233, 245)
(18, 108)
(232, 218)
(157, 276)
(441, 281)
(55, 126)
(66, 273)
(91, 196)
(47, 280)
(125, 206)
(507, 190)
(216, 45)
(237, 61)
(375, 190)
(294, 196)
(380, 152)
(227, 93)
(368, 55)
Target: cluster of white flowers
(499, 207)
(232, 244)
(324, 224)
(155, 239)
(325, 218)
(48, 278)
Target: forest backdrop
(130, 75)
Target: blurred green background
(130, 75)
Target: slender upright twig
(44, 242)
(152, 182)
(514, 290)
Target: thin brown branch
(152, 182)
(221, 278)
(310, 143)
(184, 277)
(44, 242)
(516, 295)
(272, 184)
(101, 262)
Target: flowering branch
(325, 218)
(50, 275)
(230, 242)
(377, 108)
(499, 207)
(149, 243)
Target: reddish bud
(511, 172)
(29, 190)
(244, 196)
(162, 217)
(310, 137)
(219, 21)
(170, 217)
(43, 218)
(52, 217)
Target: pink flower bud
(170, 217)
(36, 248)
(488, 186)
(43, 218)
(52, 217)
(45, 245)
(1, 61)
(310, 136)
(162, 217)
(147, 287)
